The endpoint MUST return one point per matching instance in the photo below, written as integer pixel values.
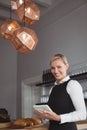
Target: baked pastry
(4, 117)
(25, 122)
(20, 122)
(36, 121)
(29, 122)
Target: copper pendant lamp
(15, 4)
(24, 39)
(7, 28)
(28, 12)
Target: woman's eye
(51, 68)
(58, 67)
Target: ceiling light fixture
(15, 4)
(8, 27)
(24, 39)
(27, 11)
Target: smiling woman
(64, 98)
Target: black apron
(61, 103)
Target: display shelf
(47, 82)
(80, 76)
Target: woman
(66, 98)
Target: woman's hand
(48, 115)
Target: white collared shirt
(74, 89)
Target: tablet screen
(42, 107)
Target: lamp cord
(24, 13)
(10, 11)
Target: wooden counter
(80, 125)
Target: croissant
(23, 122)
(20, 122)
(36, 121)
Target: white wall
(8, 77)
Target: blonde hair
(59, 56)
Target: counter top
(81, 125)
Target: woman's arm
(74, 89)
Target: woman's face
(59, 69)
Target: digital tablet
(42, 108)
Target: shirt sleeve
(74, 89)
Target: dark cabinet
(48, 79)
